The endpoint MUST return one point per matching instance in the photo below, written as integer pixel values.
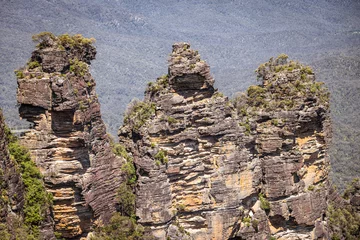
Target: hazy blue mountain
(134, 38)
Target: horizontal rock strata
(68, 140)
(211, 168)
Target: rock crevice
(211, 168)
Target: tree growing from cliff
(37, 200)
(344, 221)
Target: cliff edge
(68, 140)
(212, 168)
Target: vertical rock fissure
(219, 169)
(68, 141)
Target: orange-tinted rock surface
(211, 168)
(68, 140)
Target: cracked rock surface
(211, 168)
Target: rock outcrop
(11, 185)
(68, 140)
(211, 168)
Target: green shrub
(74, 41)
(344, 222)
(44, 39)
(37, 200)
(171, 120)
(247, 221)
(351, 189)
(4, 233)
(119, 228)
(253, 91)
(129, 169)
(19, 74)
(162, 157)
(139, 114)
(307, 70)
(33, 64)
(275, 122)
(79, 68)
(126, 200)
(160, 84)
(264, 203)
(282, 56)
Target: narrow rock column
(68, 140)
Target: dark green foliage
(247, 126)
(352, 188)
(37, 200)
(4, 233)
(139, 113)
(79, 68)
(344, 222)
(128, 167)
(126, 200)
(264, 203)
(284, 86)
(119, 228)
(16, 230)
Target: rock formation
(68, 140)
(211, 168)
(11, 184)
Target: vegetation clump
(122, 225)
(19, 74)
(119, 228)
(264, 203)
(285, 85)
(344, 220)
(44, 39)
(161, 156)
(37, 200)
(139, 113)
(63, 42)
(78, 67)
(68, 41)
(159, 85)
(33, 64)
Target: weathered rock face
(68, 141)
(209, 168)
(11, 185)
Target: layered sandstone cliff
(11, 185)
(211, 168)
(68, 140)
